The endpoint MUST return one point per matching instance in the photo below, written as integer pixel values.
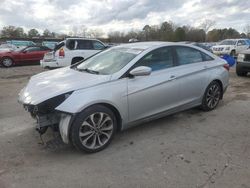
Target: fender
(76, 102)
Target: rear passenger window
(188, 55)
(70, 44)
(84, 45)
(206, 57)
(97, 45)
(161, 58)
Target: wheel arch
(221, 85)
(107, 105)
(76, 58)
(7, 57)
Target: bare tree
(95, 33)
(247, 30)
(207, 24)
(75, 30)
(83, 31)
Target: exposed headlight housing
(47, 106)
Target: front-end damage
(48, 117)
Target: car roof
(237, 39)
(143, 45)
(81, 38)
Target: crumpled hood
(49, 84)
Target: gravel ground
(188, 149)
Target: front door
(157, 92)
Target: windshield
(228, 42)
(109, 61)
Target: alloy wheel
(7, 62)
(213, 96)
(96, 130)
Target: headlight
(227, 48)
(50, 104)
(241, 57)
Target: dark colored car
(28, 55)
(243, 63)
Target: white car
(71, 51)
(231, 46)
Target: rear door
(87, 48)
(192, 73)
(157, 92)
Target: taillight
(61, 52)
(226, 66)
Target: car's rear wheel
(212, 96)
(233, 53)
(93, 129)
(76, 60)
(239, 72)
(7, 62)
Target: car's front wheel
(7, 62)
(93, 129)
(212, 96)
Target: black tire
(211, 100)
(239, 72)
(76, 60)
(79, 126)
(233, 53)
(7, 62)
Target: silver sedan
(123, 86)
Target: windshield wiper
(89, 71)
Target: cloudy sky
(109, 15)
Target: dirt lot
(188, 149)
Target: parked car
(21, 43)
(31, 54)
(50, 44)
(121, 87)
(231, 46)
(243, 63)
(201, 45)
(71, 51)
(7, 47)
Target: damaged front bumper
(58, 121)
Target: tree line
(166, 31)
(18, 32)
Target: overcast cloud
(109, 15)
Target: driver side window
(32, 49)
(241, 43)
(158, 59)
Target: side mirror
(141, 71)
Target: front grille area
(218, 49)
(247, 57)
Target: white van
(71, 51)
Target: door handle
(172, 77)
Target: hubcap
(96, 130)
(213, 96)
(7, 62)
